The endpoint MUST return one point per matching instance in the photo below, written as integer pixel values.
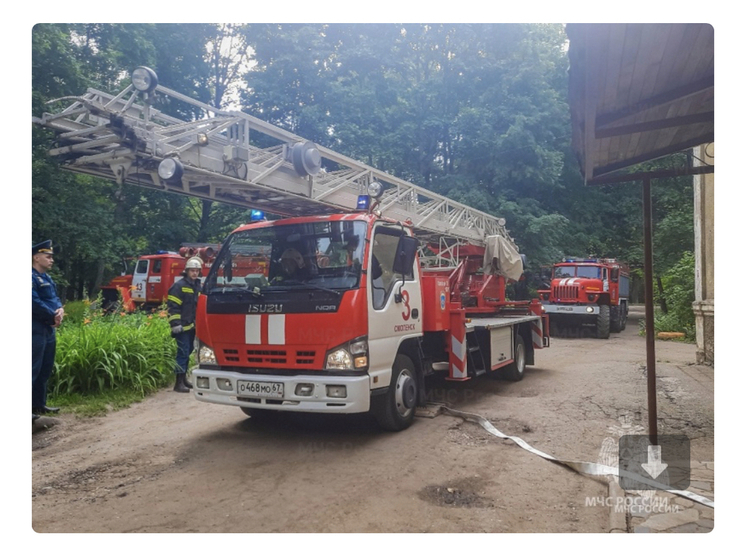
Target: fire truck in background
(367, 286)
(588, 292)
(147, 285)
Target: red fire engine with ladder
(369, 284)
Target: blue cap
(42, 248)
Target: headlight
(170, 170)
(144, 79)
(350, 356)
(589, 310)
(339, 359)
(375, 189)
(206, 356)
(359, 346)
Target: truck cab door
(394, 303)
(140, 281)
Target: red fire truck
(153, 275)
(367, 286)
(588, 292)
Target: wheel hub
(408, 392)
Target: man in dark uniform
(46, 313)
(182, 312)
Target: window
(157, 266)
(385, 241)
(290, 258)
(142, 267)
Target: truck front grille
(565, 292)
(266, 357)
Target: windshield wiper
(310, 286)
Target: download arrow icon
(654, 467)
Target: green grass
(94, 405)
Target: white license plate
(261, 389)
(568, 309)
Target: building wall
(704, 253)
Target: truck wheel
(616, 319)
(624, 311)
(394, 411)
(603, 322)
(517, 368)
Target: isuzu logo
(270, 308)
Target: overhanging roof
(638, 92)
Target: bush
(76, 311)
(678, 288)
(115, 351)
(678, 285)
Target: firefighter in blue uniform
(46, 316)
(182, 313)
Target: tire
(624, 312)
(554, 327)
(517, 368)
(603, 322)
(616, 319)
(394, 411)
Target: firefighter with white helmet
(182, 311)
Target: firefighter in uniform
(182, 312)
(46, 316)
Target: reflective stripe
(174, 317)
(253, 329)
(276, 329)
(188, 327)
(187, 290)
(175, 299)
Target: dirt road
(171, 464)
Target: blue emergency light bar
(257, 215)
(363, 202)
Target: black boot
(187, 383)
(180, 386)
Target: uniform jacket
(44, 299)
(182, 303)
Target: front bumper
(577, 310)
(224, 389)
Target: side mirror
(406, 252)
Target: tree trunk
(204, 221)
(661, 295)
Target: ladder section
(235, 158)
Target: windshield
(593, 272)
(321, 255)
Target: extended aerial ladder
(128, 139)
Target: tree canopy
(477, 112)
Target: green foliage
(116, 351)
(678, 285)
(76, 312)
